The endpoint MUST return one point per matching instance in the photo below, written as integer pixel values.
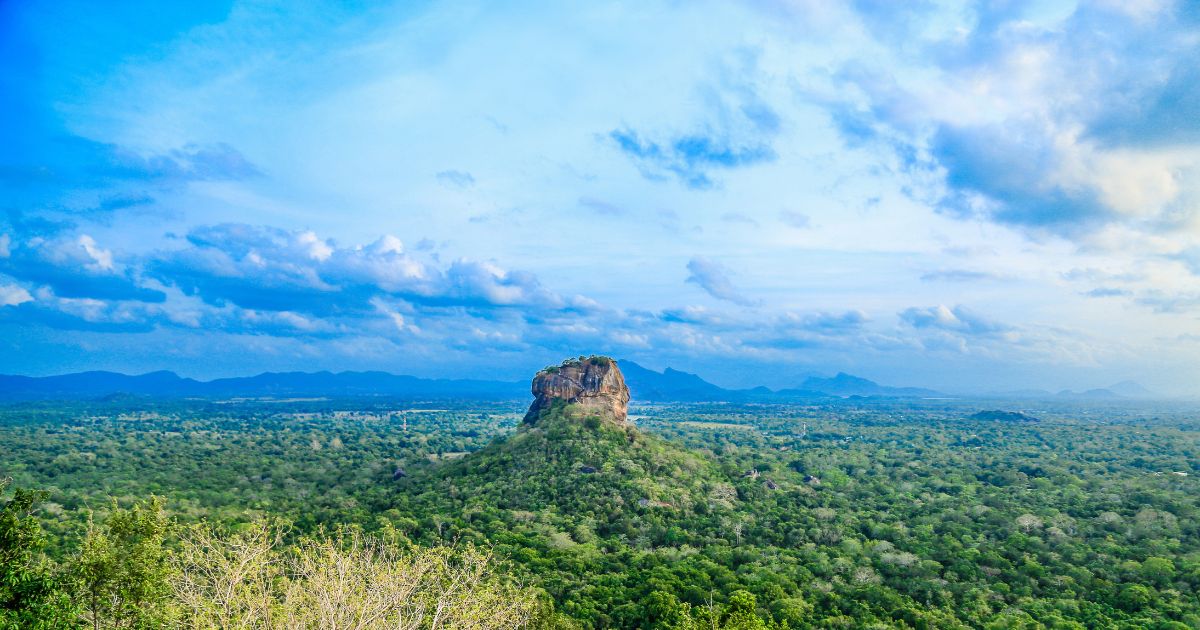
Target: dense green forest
(850, 514)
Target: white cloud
(102, 259)
(13, 295)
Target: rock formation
(594, 385)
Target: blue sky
(965, 195)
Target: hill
(572, 468)
(575, 491)
(576, 453)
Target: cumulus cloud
(251, 267)
(12, 295)
(102, 259)
(45, 308)
(270, 269)
(474, 283)
(714, 279)
(253, 279)
(75, 267)
(1055, 127)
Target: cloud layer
(967, 195)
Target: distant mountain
(97, 384)
(849, 385)
(1130, 389)
(645, 385)
(89, 385)
(1091, 394)
(673, 385)
(364, 384)
(1119, 391)
(670, 385)
(1014, 394)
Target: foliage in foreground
(250, 579)
(31, 596)
(130, 572)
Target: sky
(971, 196)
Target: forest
(858, 513)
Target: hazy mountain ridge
(1125, 390)
(670, 384)
(849, 385)
(645, 385)
(268, 384)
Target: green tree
(664, 610)
(1158, 571)
(123, 568)
(741, 613)
(793, 611)
(1135, 597)
(30, 595)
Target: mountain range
(164, 384)
(647, 385)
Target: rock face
(595, 385)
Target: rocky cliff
(594, 385)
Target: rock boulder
(594, 385)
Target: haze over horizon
(963, 196)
